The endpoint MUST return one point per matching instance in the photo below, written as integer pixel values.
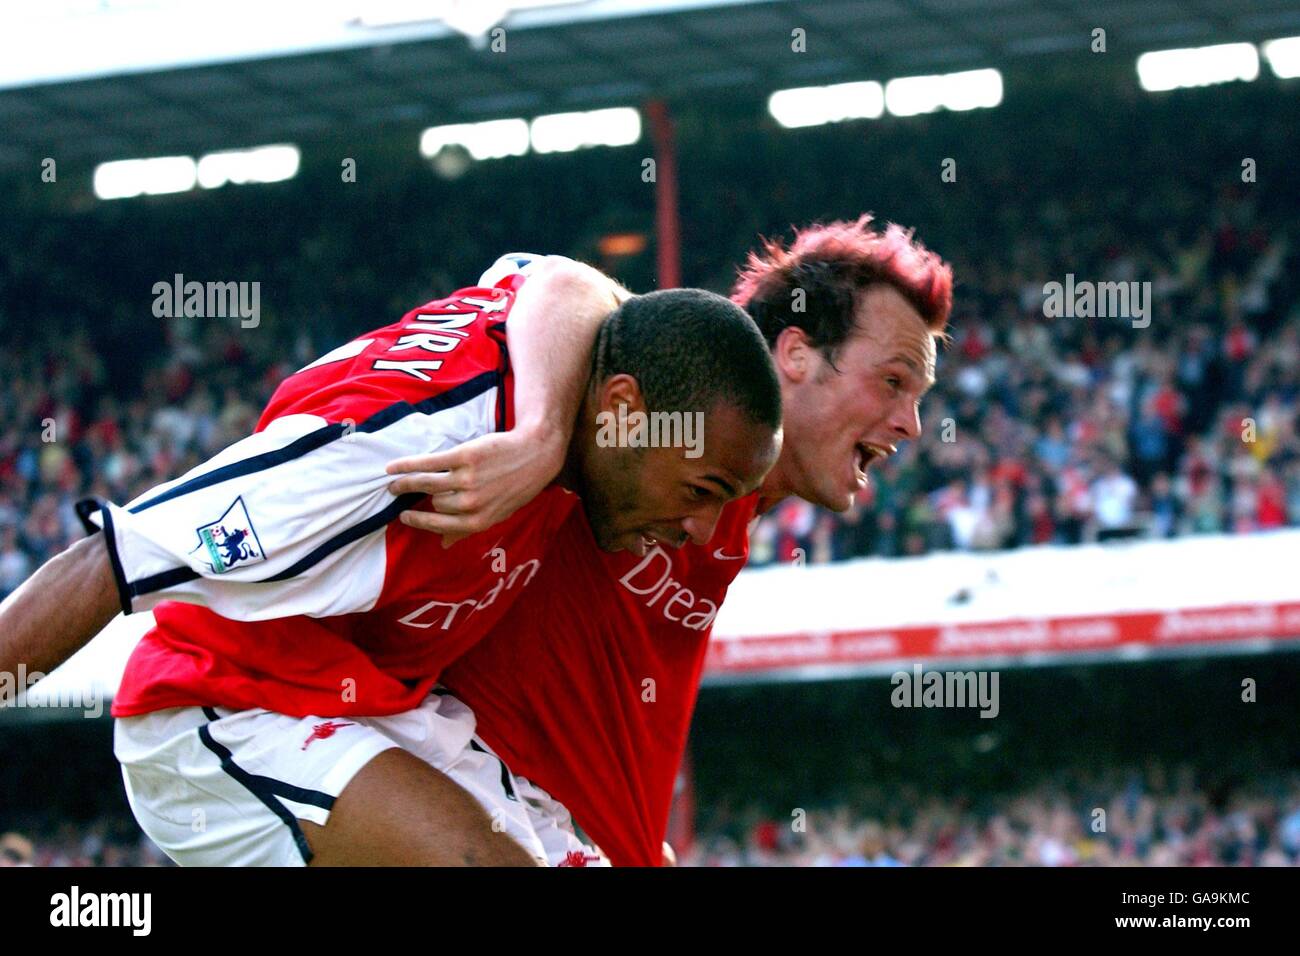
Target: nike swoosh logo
(727, 557)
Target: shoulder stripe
(344, 538)
(459, 395)
(170, 579)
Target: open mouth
(865, 453)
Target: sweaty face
(636, 497)
(839, 423)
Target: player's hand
(480, 483)
(670, 855)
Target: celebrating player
(299, 627)
(586, 688)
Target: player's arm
(291, 520)
(552, 328)
(58, 609)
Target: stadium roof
(302, 84)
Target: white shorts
(218, 787)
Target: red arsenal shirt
(277, 572)
(587, 686)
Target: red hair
(832, 263)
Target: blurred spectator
(16, 850)
(1114, 495)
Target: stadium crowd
(105, 842)
(1122, 817)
